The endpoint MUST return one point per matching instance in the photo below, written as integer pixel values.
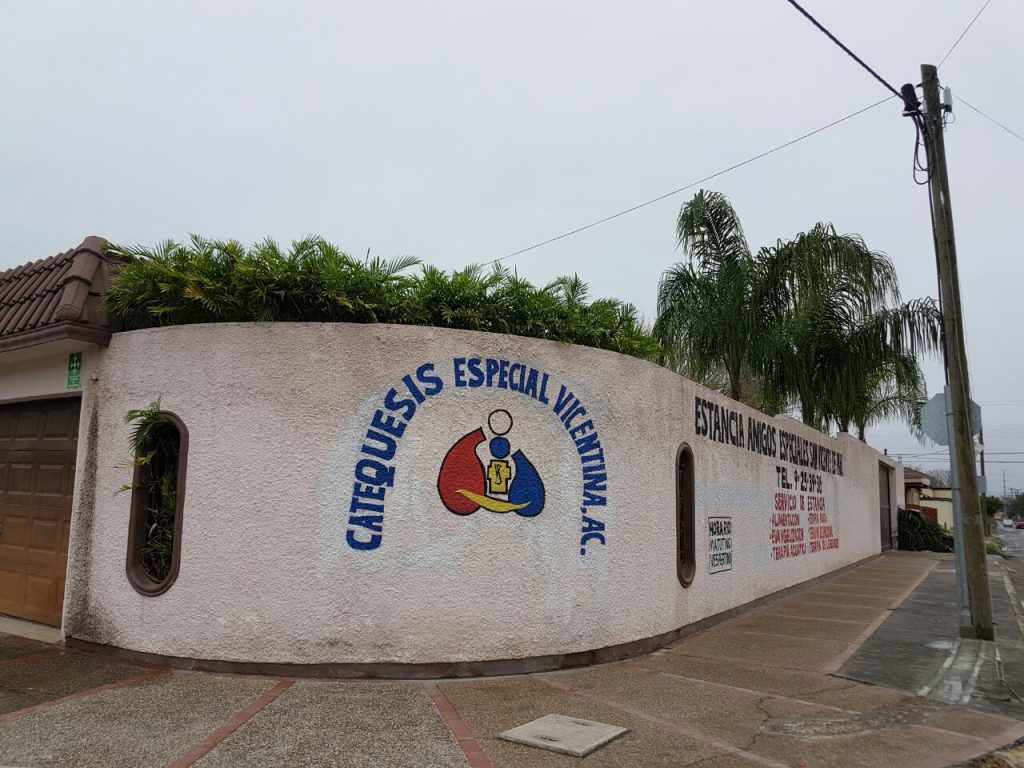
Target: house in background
(940, 499)
(920, 495)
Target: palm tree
(894, 390)
(815, 321)
(843, 346)
(707, 306)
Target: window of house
(159, 441)
(686, 517)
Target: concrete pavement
(763, 688)
(918, 649)
(1013, 540)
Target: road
(1013, 541)
(1013, 550)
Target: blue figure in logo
(527, 487)
(526, 490)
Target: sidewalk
(918, 649)
(768, 687)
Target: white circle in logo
(500, 421)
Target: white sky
(462, 131)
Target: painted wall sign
(800, 525)
(799, 522)
(724, 425)
(75, 370)
(505, 485)
(720, 544)
(506, 480)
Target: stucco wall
(277, 416)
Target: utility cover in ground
(568, 735)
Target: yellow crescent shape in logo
(494, 505)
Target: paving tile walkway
(762, 688)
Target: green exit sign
(75, 370)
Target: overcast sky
(462, 131)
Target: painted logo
(505, 484)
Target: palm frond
(205, 280)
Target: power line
(944, 454)
(946, 460)
(692, 184)
(790, 143)
(849, 53)
(915, 455)
(990, 119)
(966, 29)
(994, 434)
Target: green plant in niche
(155, 443)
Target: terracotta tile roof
(61, 292)
(909, 473)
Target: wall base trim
(449, 669)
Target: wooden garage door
(37, 475)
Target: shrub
(919, 534)
(207, 281)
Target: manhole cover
(568, 735)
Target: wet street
(1013, 541)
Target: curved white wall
(277, 416)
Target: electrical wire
(692, 184)
(945, 460)
(944, 457)
(966, 30)
(849, 53)
(919, 166)
(990, 119)
(924, 453)
(921, 140)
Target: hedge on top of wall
(208, 281)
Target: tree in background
(895, 389)
(939, 477)
(815, 321)
(991, 504)
(1015, 506)
(842, 345)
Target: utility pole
(964, 479)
